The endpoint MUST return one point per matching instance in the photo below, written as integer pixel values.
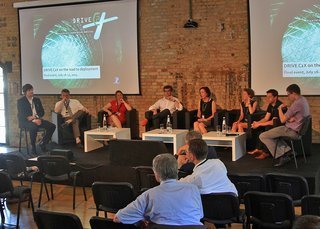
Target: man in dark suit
(30, 113)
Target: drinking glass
(161, 128)
(218, 128)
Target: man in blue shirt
(170, 203)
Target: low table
(177, 137)
(94, 139)
(238, 142)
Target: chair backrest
(54, 165)
(269, 210)
(305, 125)
(160, 226)
(3, 163)
(247, 182)
(16, 166)
(103, 223)
(293, 185)
(221, 208)
(5, 183)
(310, 205)
(145, 178)
(112, 196)
(56, 220)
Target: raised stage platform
(97, 166)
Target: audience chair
(58, 169)
(310, 205)
(56, 220)
(104, 223)
(8, 191)
(65, 135)
(191, 117)
(222, 208)
(3, 163)
(112, 196)
(293, 185)
(245, 182)
(145, 178)
(303, 131)
(177, 119)
(269, 210)
(131, 122)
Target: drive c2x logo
(99, 19)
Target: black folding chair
(112, 196)
(310, 205)
(269, 210)
(222, 208)
(145, 178)
(293, 185)
(8, 191)
(245, 182)
(302, 132)
(56, 220)
(58, 169)
(103, 223)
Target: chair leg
(294, 154)
(18, 214)
(27, 144)
(46, 188)
(84, 190)
(51, 188)
(40, 195)
(20, 140)
(304, 154)
(74, 192)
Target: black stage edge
(96, 166)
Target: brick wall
(169, 54)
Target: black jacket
(24, 109)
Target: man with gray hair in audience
(170, 203)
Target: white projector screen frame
(284, 45)
(90, 48)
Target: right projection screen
(285, 45)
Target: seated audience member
(206, 110)
(307, 222)
(170, 203)
(72, 111)
(209, 175)
(248, 106)
(267, 122)
(30, 115)
(167, 105)
(116, 110)
(187, 168)
(293, 119)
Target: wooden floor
(63, 203)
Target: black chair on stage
(245, 182)
(145, 178)
(8, 191)
(191, 117)
(103, 223)
(56, 220)
(131, 122)
(269, 210)
(65, 135)
(58, 169)
(177, 119)
(222, 208)
(112, 196)
(293, 185)
(306, 126)
(310, 205)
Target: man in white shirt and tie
(72, 111)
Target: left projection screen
(89, 48)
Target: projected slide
(88, 48)
(301, 45)
(285, 45)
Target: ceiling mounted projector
(190, 23)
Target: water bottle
(105, 121)
(224, 126)
(169, 126)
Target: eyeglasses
(167, 90)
